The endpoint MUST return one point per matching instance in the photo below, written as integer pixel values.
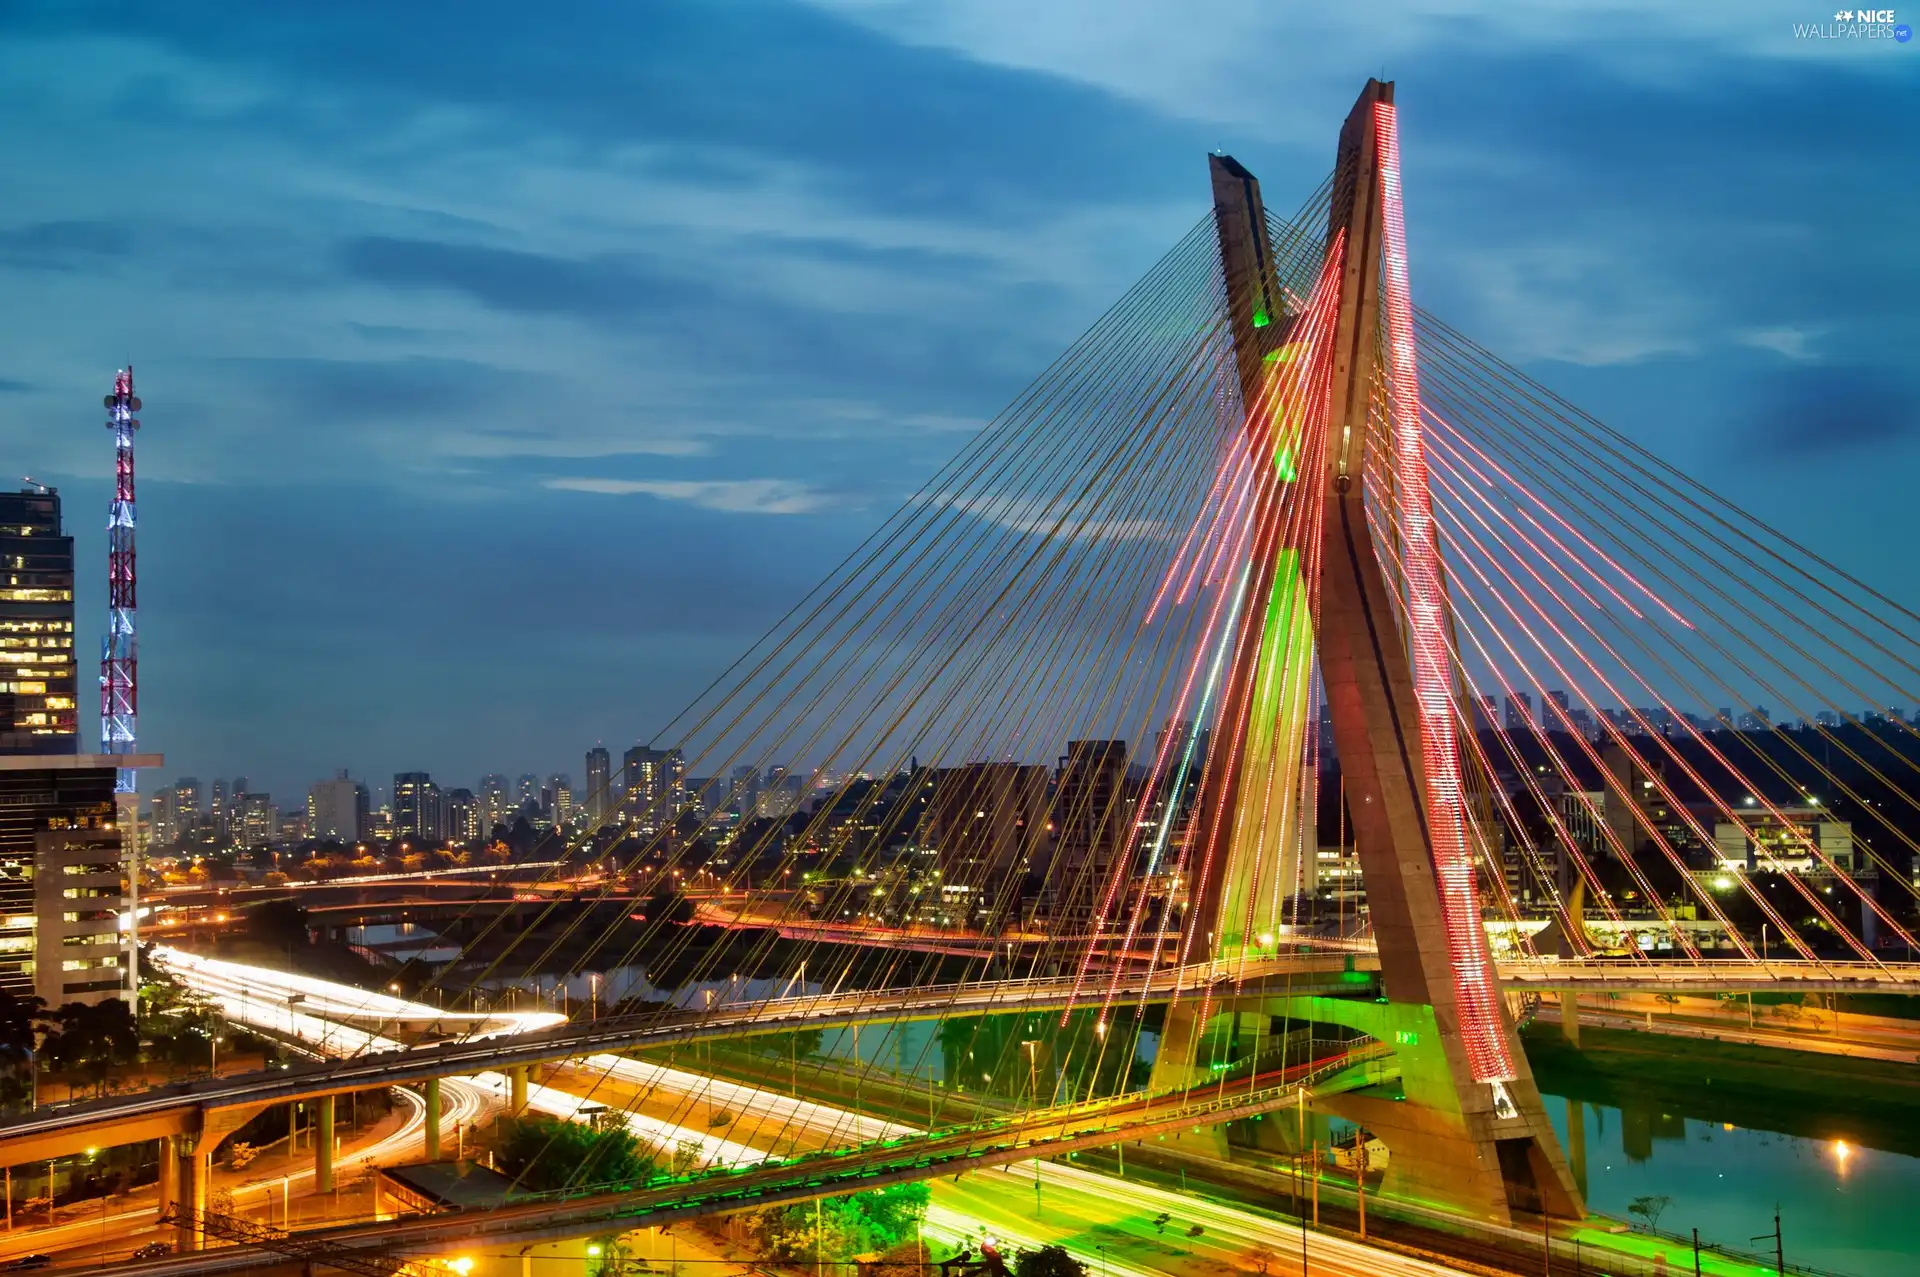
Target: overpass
(214, 1107)
(595, 1210)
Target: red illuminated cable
(1476, 984)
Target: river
(1843, 1208)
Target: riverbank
(1871, 1103)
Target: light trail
(259, 996)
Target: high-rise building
(217, 811)
(63, 882)
(462, 816)
(744, 793)
(496, 807)
(256, 821)
(526, 793)
(1090, 824)
(557, 798)
(600, 796)
(337, 810)
(781, 794)
(187, 794)
(656, 786)
(38, 682)
(160, 830)
(1519, 711)
(988, 824)
(416, 806)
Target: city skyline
(444, 349)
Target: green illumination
(1406, 1037)
(1283, 463)
(1260, 317)
(1264, 826)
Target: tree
(1649, 1208)
(545, 1153)
(1048, 1261)
(1261, 1260)
(23, 1024)
(94, 1040)
(22, 1020)
(842, 1226)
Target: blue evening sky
(510, 366)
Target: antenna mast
(119, 649)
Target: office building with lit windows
(416, 806)
(64, 894)
(38, 687)
(656, 786)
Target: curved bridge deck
(67, 1129)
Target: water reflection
(1843, 1208)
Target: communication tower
(120, 649)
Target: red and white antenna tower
(120, 649)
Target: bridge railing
(1049, 1118)
(1786, 972)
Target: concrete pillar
(195, 1163)
(433, 1119)
(517, 1090)
(1570, 1022)
(169, 1173)
(323, 1145)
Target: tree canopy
(1048, 1261)
(544, 1153)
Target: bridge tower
(1470, 1132)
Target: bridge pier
(517, 1090)
(1570, 1022)
(1486, 1162)
(323, 1145)
(432, 1090)
(193, 1167)
(169, 1186)
(1189, 1050)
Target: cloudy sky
(509, 367)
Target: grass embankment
(1875, 1103)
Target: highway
(1102, 1220)
(496, 1041)
(331, 1016)
(469, 1099)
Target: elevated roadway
(1042, 1133)
(190, 1108)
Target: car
(153, 1250)
(25, 1262)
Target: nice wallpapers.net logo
(1856, 24)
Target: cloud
(1213, 60)
(14, 386)
(1788, 342)
(1055, 520)
(63, 245)
(729, 496)
(529, 283)
(1817, 411)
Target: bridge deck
(1042, 1133)
(66, 1129)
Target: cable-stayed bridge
(1240, 586)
